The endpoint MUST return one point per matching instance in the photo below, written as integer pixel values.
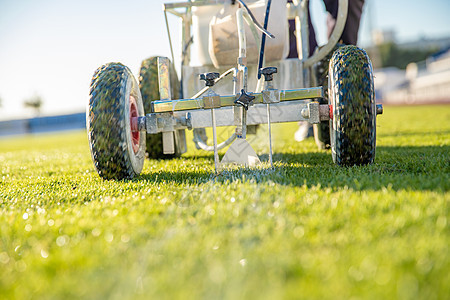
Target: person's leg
(350, 34)
(293, 53)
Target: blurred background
(49, 50)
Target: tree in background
(35, 103)
(391, 55)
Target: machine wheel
(117, 151)
(351, 91)
(149, 86)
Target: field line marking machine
(234, 72)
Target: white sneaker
(303, 131)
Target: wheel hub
(135, 134)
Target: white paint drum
(201, 17)
(224, 41)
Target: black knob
(268, 73)
(244, 99)
(209, 78)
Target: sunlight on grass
(306, 229)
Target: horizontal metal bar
(189, 104)
(191, 4)
(257, 114)
(175, 13)
(379, 109)
(299, 94)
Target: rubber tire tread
(106, 122)
(352, 94)
(149, 86)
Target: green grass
(307, 229)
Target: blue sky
(51, 48)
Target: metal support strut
(269, 96)
(268, 77)
(212, 101)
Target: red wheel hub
(135, 134)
